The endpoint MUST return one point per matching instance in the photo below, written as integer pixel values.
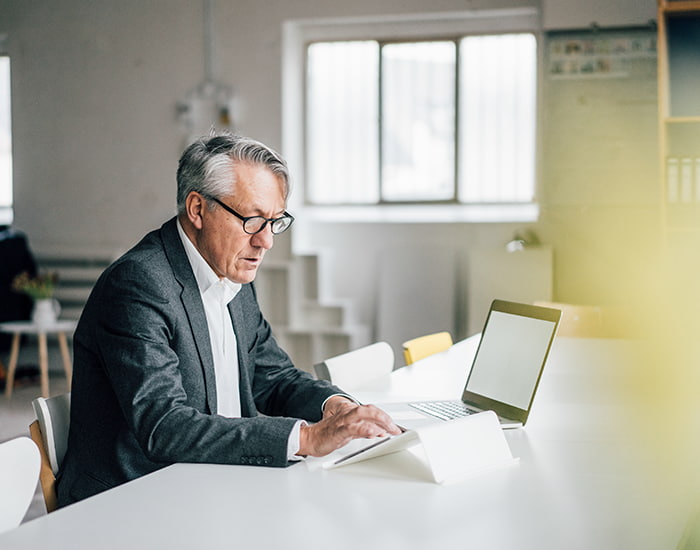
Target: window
(417, 123)
(5, 143)
(341, 125)
(421, 121)
(498, 118)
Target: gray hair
(207, 165)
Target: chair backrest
(19, 473)
(423, 346)
(351, 370)
(53, 414)
(50, 433)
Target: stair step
(74, 274)
(307, 347)
(313, 314)
(77, 294)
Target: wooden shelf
(680, 6)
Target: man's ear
(195, 204)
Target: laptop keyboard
(445, 410)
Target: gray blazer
(143, 390)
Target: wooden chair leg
(46, 477)
(14, 354)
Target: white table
(587, 479)
(18, 328)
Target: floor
(16, 414)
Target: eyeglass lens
(257, 224)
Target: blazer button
(268, 460)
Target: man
(173, 360)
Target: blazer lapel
(192, 304)
(235, 308)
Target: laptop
(505, 371)
(504, 376)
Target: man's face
(230, 251)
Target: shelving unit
(679, 143)
(679, 114)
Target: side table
(17, 328)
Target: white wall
(95, 87)
(95, 136)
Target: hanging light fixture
(208, 106)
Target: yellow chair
(423, 346)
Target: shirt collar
(203, 273)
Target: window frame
(7, 211)
(298, 34)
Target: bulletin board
(597, 53)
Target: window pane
(418, 120)
(342, 143)
(5, 140)
(497, 118)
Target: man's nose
(265, 238)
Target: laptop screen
(513, 349)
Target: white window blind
(497, 118)
(417, 123)
(342, 140)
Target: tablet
(379, 447)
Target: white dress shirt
(216, 293)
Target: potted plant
(40, 289)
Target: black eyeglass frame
(244, 219)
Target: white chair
(50, 432)
(351, 370)
(19, 473)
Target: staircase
(308, 327)
(76, 277)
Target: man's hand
(342, 422)
(338, 405)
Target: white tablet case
(454, 450)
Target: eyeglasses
(255, 224)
